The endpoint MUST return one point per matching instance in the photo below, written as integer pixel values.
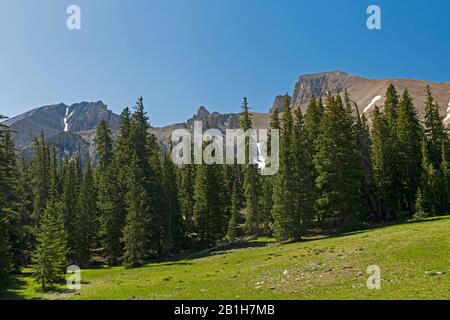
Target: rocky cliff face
(57, 118)
(278, 102)
(367, 93)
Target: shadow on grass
(11, 294)
(312, 235)
(359, 229)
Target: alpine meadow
(337, 189)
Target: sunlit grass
(414, 259)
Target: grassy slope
(333, 268)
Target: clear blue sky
(185, 53)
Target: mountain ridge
(82, 118)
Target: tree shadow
(11, 293)
(349, 231)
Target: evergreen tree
(186, 198)
(338, 164)
(436, 142)
(70, 197)
(104, 145)
(5, 246)
(286, 219)
(40, 181)
(302, 183)
(173, 227)
(313, 117)
(409, 137)
(50, 256)
(134, 236)
(109, 201)
(251, 183)
(364, 146)
(113, 191)
(209, 206)
(5, 250)
(87, 218)
(155, 222)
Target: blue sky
(179, 54)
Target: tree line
(135, 203)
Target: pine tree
(5, 246)
(251, 175)
(41, 168)
(173, 224)
(155, 225)
(234, 214)
(186, 198)
(134, 236)
(436, 144)
(338, 164)
(409, 138)
(286, 219)
(313, 117)
(302, 183)
(87, 218)
(13, 199)
(5, 251)
(50, 256)
(113, 191)
(70, 194)
(364, 146)
(109, 202)
(392, 152)
(209, 205)
(104, 145)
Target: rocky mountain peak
(57, 118)
(319, 85)
(202, 112)
(278, 102)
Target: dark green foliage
(286, 218)
(70, 197)
(434, 183)
(134, 236)
(87, 222)
(313, 117)
(40, 172)
(50, 256)
(209, 205)
(251, 177)
(409, 137)
(338, 164)
(174, 233)
(186, 198)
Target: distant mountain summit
(57, 118)
(72, 127)
(366, 92)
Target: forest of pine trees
(132, 203)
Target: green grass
(414, 258)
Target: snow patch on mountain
(66, 119)
(448, 113)
(372, 103)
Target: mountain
(57, 118)
(210, 120)
(72, 127)
(366, 92)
